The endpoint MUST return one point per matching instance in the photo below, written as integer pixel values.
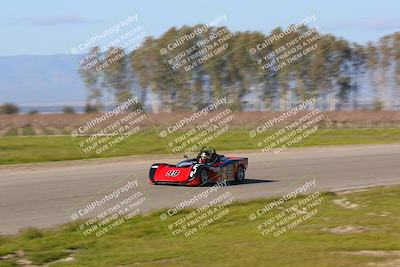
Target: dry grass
(64, 123)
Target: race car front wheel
(203, 177)
(240, 175)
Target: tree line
(339, 73)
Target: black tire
(240, 175)
(203, 177)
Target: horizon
(45, 43)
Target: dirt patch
(347, 229)
(393, 254)
(160, 261)
(4, 131)
(20, 257)
(345, 203)
(38, 130)
(375, 253)
(387, 263)
(380, 214)
(55, 131)
(346, 192)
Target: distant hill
(41, 80)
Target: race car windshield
(184, 163)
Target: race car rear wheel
(203, 177)
(240, 175)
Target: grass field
(360, 228)
(26, 149)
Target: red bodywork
(223, 169)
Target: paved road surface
(44, 195)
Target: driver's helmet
(205, 157)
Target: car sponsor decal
(172, 173)
(229, 171)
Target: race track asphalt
(46, 194)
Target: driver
(205, 157)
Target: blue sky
(52, 27)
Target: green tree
(385, 54)
(9, 108)
(117, 75)
(68, 110)
(333, 72)
(92, 75)
(396, 55)
(345, 87)
(33, 112)
(358, 60)
(372, 61)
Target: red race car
(208, 166)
